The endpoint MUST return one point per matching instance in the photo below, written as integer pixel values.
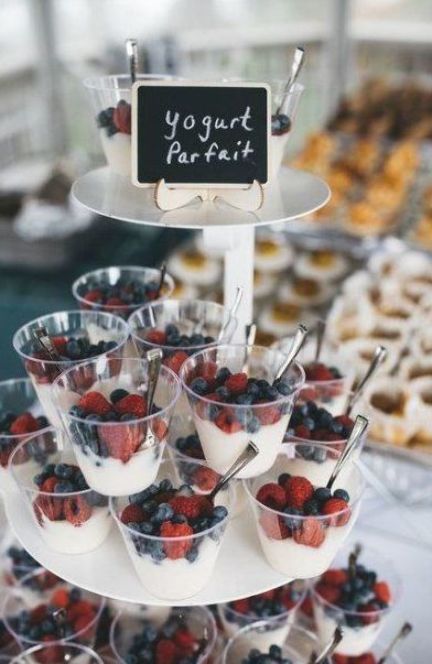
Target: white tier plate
(108, 570)
(294, 194)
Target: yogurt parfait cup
(314, 459)
(59, 653)
(34, 618)
(174, 566)
(77, 336)
(301, 543)
(120, 290)
(358, 600)
(232, 407)
(70, 517)
(193, 629)
(103, 407)
(297, 648)
(277, 607)
(110, 98)
(20, 416)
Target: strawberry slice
(94, 403)
(122, 440)
(24, 423)
(132, 404)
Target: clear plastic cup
(173, 568)
(190, 316)
(315, 460)
(117, 457)
(59, 653)
(232, 620)
(226, 429)
(17, 396)
(360, 628)
(197, 619)
(110, 276)
(28, 597)
(298, 647)
(302, 547)
(73, 522)
(110, 97)
(91, 325)
(15, 562)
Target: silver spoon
(251, 331)
(296, 66)
(328, 649)
(380, 355)
(360, 426)
(161, 278)
(352, 560)
(232, 312)
(154, 359)
(320, 334)
(45, 341)
(245, 457)
(296, 346)
(132, 56)
(403, 632)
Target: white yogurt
(355, 641)
(222, 449)
(277, 150)
(175, 579)
(117, 149)
(112, 477)
(64, 537)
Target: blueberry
(253, 389)
(42, 421)
(342, 494)
(76, 411)
(309, 423)
(199, 386)
(311, 507)
(179, 518)
(244, 399)
(165, 485)
(145, 528)
(213, 412)
(209, 340)
(283, 387)
(325, 420)
(39, 479)
(223, 392)
(336, 427)
(292, 523)
(320, 454)
(220, 513)
(63, 471)
(305, 451)
(223, 375)
(73, 349)
(284, 123)
(164, 512)
(105, 117)
(197, 339)
(275, 125)
(322, 494)
(275, 652)
(64, 487)
(272, 393)
(192, 554)
(253, 425)
(172, 329)
(283, 478)
(157, 551)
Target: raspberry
(330, 594)
(185, 640)
(157, 337)
(94, 403)
(94, 295)
(83, 622)
(302, 432)
(311, 533)
(237, 383)
(318, 372)
(272, 495)
(241, 605)
(122, 440)
(60, 598)
(298, 490)
(339, 507)
(77, 510)
(227, 423)
(268, 595)
(382, 592)
(205, 478)
(345, 420)
(38, 614)
(80, 608)
(166, 652)
(24, 423)
(176, 360)
(133, 404)
(268, 415)
(190, 506)
(133, 513)
(274, 526)
(122, 117)
(369, 613)
(114, 302)
(60, 344)
(366, 658)
(208, 372)
(175, 550)
(49, 484)
(334, 577)
(50, 654)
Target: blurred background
(48, 136)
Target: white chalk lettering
(247, 150)
(211, 152)
(245, 117)
(220, 123)
(189, 122)
(206, 122)
(172, 123)
(223, 156)
(174, 149)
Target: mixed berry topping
(115, 119)
(21, 562)
(71, 349)
(67, 613)
(273, 656)
(165, 512)
(12, 424)
(280, 124)
(357, 591)
(124, 408)
(310, 422)
(173, 643)
(189, 446)
(366, 658)
(56, 480)
(301, 502)
(172, 336)
(318, 371)
(227, 391)
(122, 293)
(265, 605)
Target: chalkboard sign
(205, 134)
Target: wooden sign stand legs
(170, 198)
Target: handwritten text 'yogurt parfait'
(211, 152)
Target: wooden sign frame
(197, 187)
